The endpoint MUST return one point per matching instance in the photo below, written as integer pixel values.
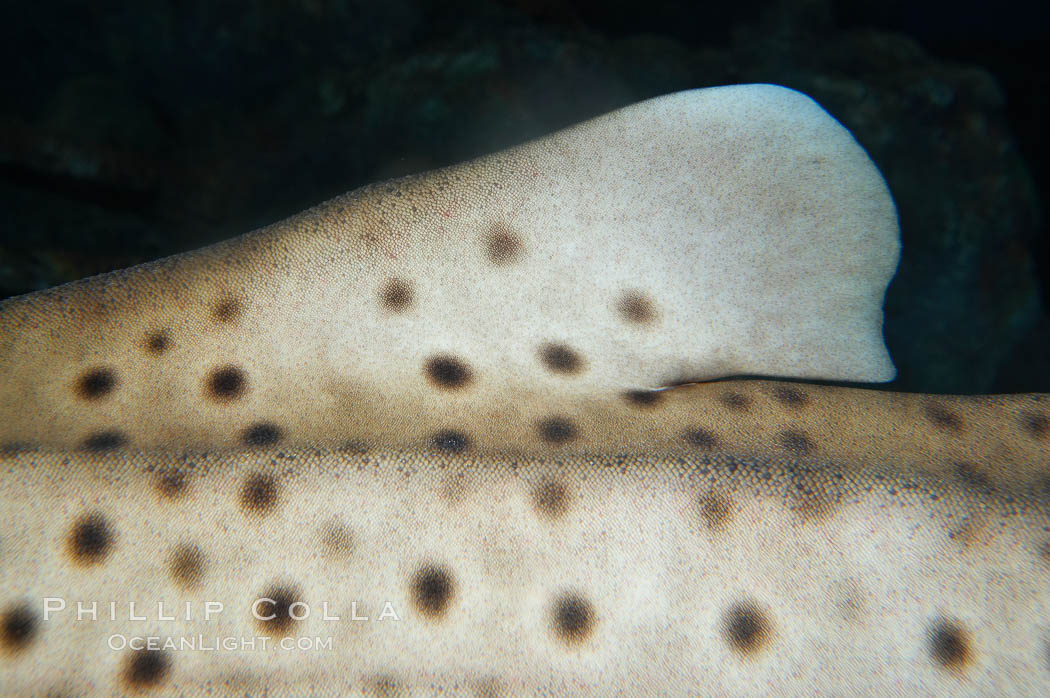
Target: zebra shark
(476, 431)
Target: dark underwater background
(133, 130)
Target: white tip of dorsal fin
(723, 231)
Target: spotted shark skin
(178, 443)
(744, 555)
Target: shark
(565, 419)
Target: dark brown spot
(557, 430)
(572, 618)
(275, 609)
(701, 438)
(18, 627)
(91, 539)
(146, 668)
(502, 245)
(551, 499)
(735, 401)
(104, 441)
(746, 628)
(171, 483)
(950, 645)
(796, 442)
(451, 441)
(635, 307)
(432, 590)
(1037, 425)
(157, 342)
(560, 358)
(226, 310)
(225, 383)
(715, 510)
(790, 396)
(396, 295)
(96, 383)
(261, 434)
(643, 398)
(943, 418)
(259, 493)
(187, 565)
(447, 372)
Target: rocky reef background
(132, 130)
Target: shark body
(420, 440)
(731, 560)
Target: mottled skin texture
(439, 394)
